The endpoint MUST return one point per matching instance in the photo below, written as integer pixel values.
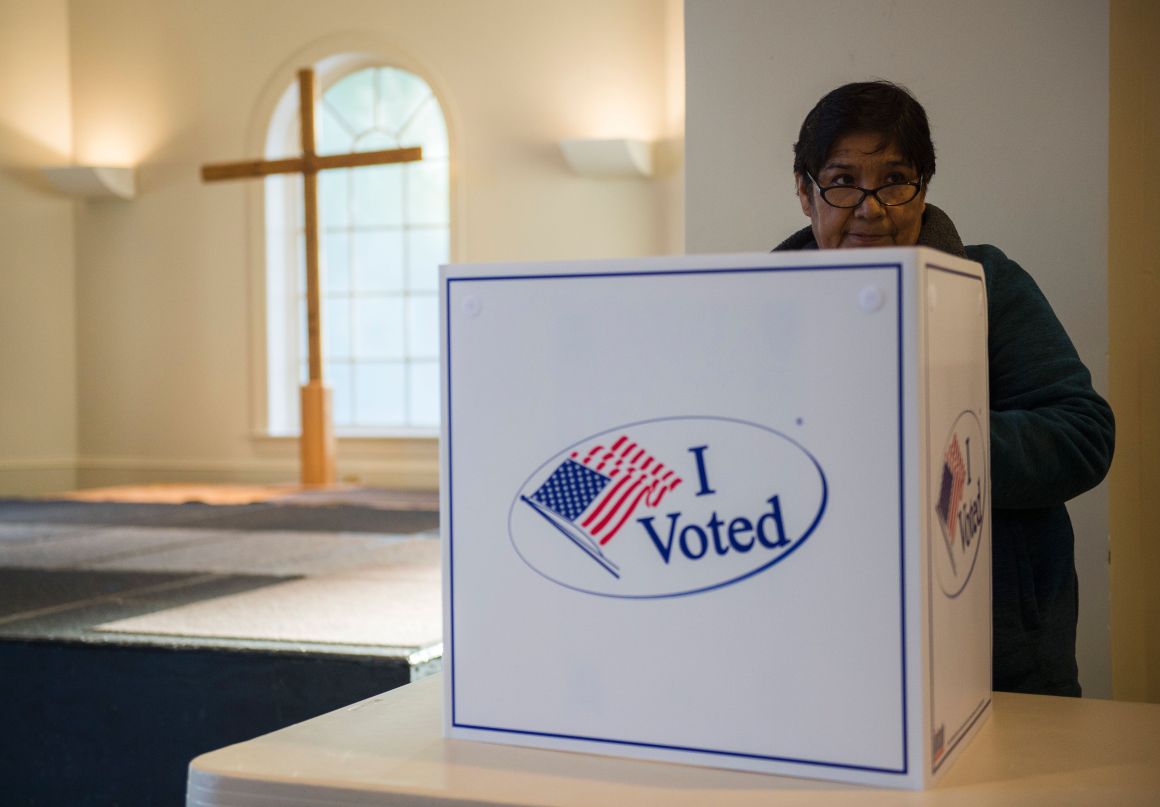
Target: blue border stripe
(664, 272)
(955, 272)
(963, 731)
(666, 747)
(451, 668)
(449, 653)
(902, 520)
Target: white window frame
(281, 127)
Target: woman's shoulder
(987, 254)
(1002, 273)
(1010, 288)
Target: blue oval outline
(986, 500)
(804, 537)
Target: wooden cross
(316, 445)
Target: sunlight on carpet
(308, 495)
(396, 603)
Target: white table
(1033, 750)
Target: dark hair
(869, 106)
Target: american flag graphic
(954, 474)
(595, 491)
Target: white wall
(165, 282)
(1017, 94)
(38, 433)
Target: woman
(863, 162)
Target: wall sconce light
(618, 157)
(93, 181)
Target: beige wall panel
(167, 313)
(38, 434)
(1133, 302)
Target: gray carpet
(262, 516)
(134, 637)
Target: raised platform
(134, 636)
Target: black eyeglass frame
(916, 184)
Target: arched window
(385, 230)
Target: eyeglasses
(892, 195)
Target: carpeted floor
(136, 635)
(298, 516)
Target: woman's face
(856, 159)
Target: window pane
(427, 129)
(336, 248)
(303, 337)
(426, 250)
(401, 93)
(378, 261)
(339, 378)
(423, 327)
(379, 328)
(336, 328)
(285, 419)
(385, 230)
(427, 197)
(378, 195)
(376, 140)
(379, 394)
(424, 394)
(333, 136)
(334, 197)
(353, 98)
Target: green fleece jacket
(1052, 438)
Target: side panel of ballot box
(682, 511)
(956, 505)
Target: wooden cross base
(316, 449)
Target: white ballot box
(724, 510)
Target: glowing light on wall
(111, 144)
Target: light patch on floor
(183, 494)
(397, 604)
(314, 495)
